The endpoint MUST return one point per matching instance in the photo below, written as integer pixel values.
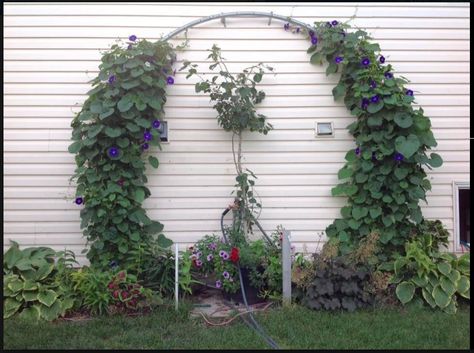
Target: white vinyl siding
(51, 51)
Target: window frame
(458, 185)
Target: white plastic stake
(286, 263)
(176, 275)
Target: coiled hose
(253, 323)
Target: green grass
(295, 327)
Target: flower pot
(250, 291)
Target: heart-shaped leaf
(404, 120)
(407, 146)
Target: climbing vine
(383, 177)
(112, 134)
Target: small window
(462, 216)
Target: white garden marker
(176, 275)
(286, 263)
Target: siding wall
(52, 50)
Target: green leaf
(344, 173)
(375, 212)
(354, 224)
(339, 91)
(123, 142)
(331, 69)
(401, 173)
(405, 292)
(10, 307)
(50, 313)
(463, 285)
(106, 114)
(420, 281)
(123, 248)
(444, 268)
(155, 104)
(428, 297)
(96, 107)
(135, 236)
(139, 195)
(359, 212)
(75, 147)
(316, 58)
(130, 84)
(374, 108)
(404, 120)
(132, 127)
(407, 146)
(47, 297)
(30, 296)
(374, 121)
(441, 298)
(94, 130)
(113, 132)
(12, 255)
(435, 161)
(143, 122)
(44, 271)
(153, 161)
(451, 308)
(124, 104)
(163, 241)
(447, 285)
(154, 227)
(30, 314)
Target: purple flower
(357, 151)
(314, 40)
(113, 264)
(297, 30)
(311, 33)
(156, 124)
(145, 146)
(120, 182)
(129, 47)
(112, 79)
(113, 152)
(165, 70)
(409, 93)
(79, 200)
(328, 24)
(382, 59)
(210, 257)
(388, 75)
(374, 158)
(198, 263)
(398, 157)
(365, 62)
(338, 59)
(221, 253)
(132, 38)
(198, 254)
(373, 84)
(212, 246)
(226, 274)
(286, 26)
(147, 136)
(218, 284)
(365, 103)
(170, 80)
(334, 23)
(343, 33)
(374, 99)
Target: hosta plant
(437, 278)
(30, 287)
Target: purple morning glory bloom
(334, 23)
(226, 274)
(373, 84)
(147, 136)
(170, 80)
(388, 75)
(218, 284)
(357, 151)
(112, 79)
(365, 102)
(338, 59)
(113, 152)
(286, 26)
(409, 93)
(382, 59)
(79, 200)
(210, 257)
(311, 33)
(132, 38)
(145, 146)
(374, 99)
(156, 124)
(398, 157)
(314, 40)
(365, 62)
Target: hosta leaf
(15, 285)
(47, 297)
(420, 281)
(441, 298)
(52, 312)
(10, 307)
(463, 284)
(448, 286)
(30, 296)
(428, 297)
(31, 314)
(451, 308)
(405, 292)
(444, 268)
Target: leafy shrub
(439, 234)
(438, 278)
(31, 282)
(338, 285)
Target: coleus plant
(383, 177)
(112, 133)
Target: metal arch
(223, 15)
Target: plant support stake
(286, 263)
(176, 275)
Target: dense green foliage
(383, 177)
(116, 126)
(33, 285)
(438, 278)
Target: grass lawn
(295, 327)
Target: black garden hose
(253, 323)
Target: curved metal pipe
(270, 15)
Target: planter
(250, 291)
